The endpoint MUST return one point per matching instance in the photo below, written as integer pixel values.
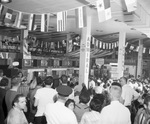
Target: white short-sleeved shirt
(128, 94)
(44, 96)
(57, 113)
(115, 113)
(91, 117)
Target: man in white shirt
(115, 113)
(58, 113)
(128, 93)
(43, 96)
(16, 114)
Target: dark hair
(144, 95)
(4, 82)
(84, 97)
(15, 81)
(16, 99)
(64, 79)
(97, 102)
(48, 80)
(69, 101)
(147, 100)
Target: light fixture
(5, 1)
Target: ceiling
(134, 23)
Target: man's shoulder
(13, 112)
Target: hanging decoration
(80, 13)
(103, 7)
(61, 21)
(103, 10)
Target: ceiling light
(5, 1)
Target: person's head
(20, 74)
(123, 81)
(147, 103)
(4, 82)
(141, 98)
(19, 101)
(84, 97)
(48, 81)
(70, 103)
(97, 102)
(64, 79)
(15, 81)
(115, 91)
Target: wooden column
(121, 53)
(140, 58)
(24, 45)
(67, 43)
(85, 53)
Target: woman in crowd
(70, 104)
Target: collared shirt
(91, 117)
(16, 116)
(128, 94)
(44, 96)
(80, 109)
(115, 113)
(57, 113)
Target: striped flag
(93, 40)
(8, 16)
(137, 49)
(31, 23)
(126, 44)
(144, 50)
(103, 10)
(81, 19)
(100, 44)
(131, 5)
(106, 45)
(1, 9)
(103, 45)
(109, 45)
(45, 22)
(18, 20)
(61, 21)
(96, 43)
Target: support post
(121, 53)
(85, 53)
(140, 58)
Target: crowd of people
(57, 101)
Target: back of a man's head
(115, 91)
(48, 80)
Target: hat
(64, 90)
(116, 84)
